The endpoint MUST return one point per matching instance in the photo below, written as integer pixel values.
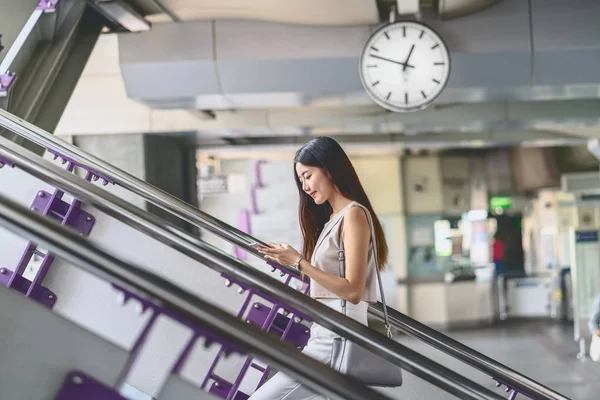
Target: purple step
(297, 335)
(221, 388)
(148, 303)
(21, 284)
(243, 287)
(78, 219)
(79, 386)
(91, 174)
(258, 367)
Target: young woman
(332, 202)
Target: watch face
(404, 66)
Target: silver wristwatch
(298, 261)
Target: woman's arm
(356, 236)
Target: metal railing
(466, 354)
(200, 219)
(69, 245)
(213, 258)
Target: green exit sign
(502, 202)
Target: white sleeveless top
(325, 256)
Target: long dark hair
(327, 155)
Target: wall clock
(404, 66)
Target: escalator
(242, 275)
(211, 322)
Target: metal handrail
(225, 263)
(134, 184)
(80, 251)
(464, 353)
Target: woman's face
(315, 182)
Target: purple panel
(221, 388)
(258, 174)
(258, 367)
(277, 267)
(158, 309)
(267, 319)
(241, 396)
(71, 214)
(253, 201)
(509, 388)
(67, 214)
(222, 350)
(47, 5)
(4, 161)
(268, 298)
(6, 81)
(23, 262)
(297, 335)
(79, 386)
(21, 285)
(95, 175)
(36, 284)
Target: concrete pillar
(162, 161)
(170, 165)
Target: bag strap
(342, 262)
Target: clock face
(404, 66)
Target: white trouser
(319, 347)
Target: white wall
(381, 178)
(277, 219)
(277, 202)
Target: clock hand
(405, 65)
(408, 58)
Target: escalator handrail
(224, 263)
(146, 191)
(194, 216)
(79, 250)
(462, 352)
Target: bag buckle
(389, 331)
(341, 256)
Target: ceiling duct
(534, 168)
(306, 12)
(581, 182)
(448, 9)
(234, 64)
(575, 159)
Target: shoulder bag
(353, 360)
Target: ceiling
(268, 69)
(312, 12)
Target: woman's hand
(283, 254)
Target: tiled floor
(543, 351)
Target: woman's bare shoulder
(356, 217)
